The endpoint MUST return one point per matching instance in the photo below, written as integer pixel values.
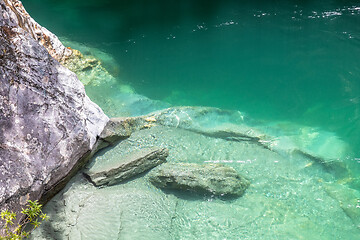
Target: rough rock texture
(22, 19)
(118, 129)
(89, 69)
(215, 179)
(47, 123)
(121, 128)
(128, 166)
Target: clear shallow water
(289, 197)
(293, 63)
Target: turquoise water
(285, 64)
(294, 61)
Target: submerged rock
(349, 200)
(320, 147)
(284, 196)
(310, 140)
(212, 122)
(127, 166)
(124, 211)
(48, 126)
(89, 69)
(215, 179)
(288, 139)
(201, 119)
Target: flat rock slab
(127, 166)
(215, 179)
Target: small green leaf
(32, 211)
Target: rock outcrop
(22, 20)
(47, 123)
(118, 129)
(127, 166)
(215, 179)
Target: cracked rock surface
(47, 123)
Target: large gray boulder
(48, 126)
(20, 19)
(215, 179)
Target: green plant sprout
(32, 212)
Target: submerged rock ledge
(48, 126)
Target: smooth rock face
(128, 166)
(47, 123)
(215, 179)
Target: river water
(279, 62)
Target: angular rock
(215, 179)
(22, 20)
(48, 126)
(127, 166)
(120, 128)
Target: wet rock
(107, 61)
(215, 179)
(82, 211)
(313, 141)
(196, 118)
(349, 200)
(321, 147)
(88, 68)
(127, 166)
(211, 122)
(121, 128)
(118, 129)
(282, 195)
(48, 126)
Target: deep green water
(276, 61)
